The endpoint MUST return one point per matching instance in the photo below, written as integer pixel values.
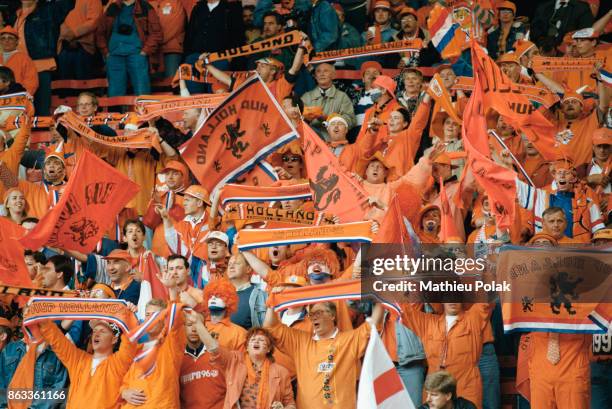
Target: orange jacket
(383, 115)
(457, 351)
(172, 18)
(279, 382)
(80, 25)
(349, 154)
(12, 156)
(161, 387)
(101, 388)
(23, 68)
(153, 221)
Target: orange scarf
(24, 377)
(263, 394)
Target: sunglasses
(292, 159)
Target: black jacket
(214, 31)
(574, 16)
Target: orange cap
(543, 236)
(405, 11)
(362, 165)
(509, 58)
(9, 30)
(444, 159)
(382, 4)
(508, 5)
(573, 95)
(370, 64)
(522, 46)
(602, 136)
(198, 192)
(119, 254)
(179, 167)
(386, 83)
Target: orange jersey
(161, 387)
(198, 374)
(101, 387)
(312, 362)
(457, 350)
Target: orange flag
(448, 229)
(440, 94)
(497, 181)
(505, 97)
(94, 195)
(333, 191)
(13, 270)
(241, 131)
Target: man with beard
(577, 200)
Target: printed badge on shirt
(326, 367)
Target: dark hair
(178, 257)
(7, 74)
(405, 115)
(64, 265)
(29, 219)
(279, 19)
(262, 331)
(295, 102)
(553, 210)
(248, 7)
(441, 381)
(137, 222)
(38, 256)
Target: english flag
(380, 386)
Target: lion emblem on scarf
(561, 289)
(82, 230)
(325, 190)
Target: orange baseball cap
(522, 46)
(198, 192)
(508, 5)
(573, 95)
(386, 83)
(119, 254)
(405, 11)
(444, 159)
(370, 64)
(602, 136)
(9, 30)
(382, 4)
(509, 58)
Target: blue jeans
(119, 67)
(489, 372)
(601, 385)
(42, 97)
(413, 378)
(171, 64)
(200, 87)
(75, 64)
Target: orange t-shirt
(100, 389)
(312, 362)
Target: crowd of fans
(231, 350)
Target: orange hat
(444, 159)
(370, 64)
(386, 83)
(509, 58)
(543, 236)
(508, 5)
(573, 95)
(405, 11)
(522, 46)
(602, 136)
(295, 281)
(9, 30)
(562, 162)
(119, 254)
(362, 164)
(179, 167)
(198, 192)
(437, 123)
(427, 208)
(382, 4)
(56, 151)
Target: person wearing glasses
(87, 106)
